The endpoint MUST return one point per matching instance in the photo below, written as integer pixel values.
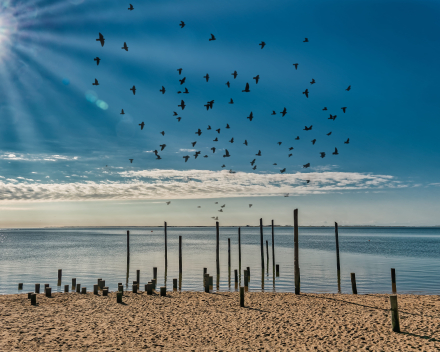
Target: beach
(215, 321)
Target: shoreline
(191, 320)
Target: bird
(182, 104)
(97, 59)
(273, 112)
(142, 124)
(247, 88)
(322, 154)
(279, 143)
(314, 141)
(122, 112)
(221, 210)
(212, 37)
(250, 205)
(227, 125)
(133, 89)
(213, 150)
(231, 102)
(186, 91)
(306, 165)
(307, 128)
(325, 108)
(291, 148)
(155, 152)
(348, 88)
(255, 167)
(308, 181)
(259, 153)
(131, 161)
(218, 130)
(131, 8)
(182, 24)
(206, 77)
(235, 74)
(306, 92)
(198, 206)
(227, 154)
(313, 81)
(158, 157)
(274, 164)
(296, 66)
(305, 40)
(290, 155)
(178, 119)
(263, 44)
(232, 140)
(347, 141)
(297, 138)
(216, 218)
(186, 157)
(286, 194)
(193, 143)
(284, 112)
(251, 116)
(207, 106)
(196, 155)
(245, 142)
(174, 113)
(179, 70)
(162, 90)
(125, 46)
(223, 165)
(334, 117)
(257, 78)
(222, 206)
(216, 203)
(215, 140)
(228, 84)
(344, 108)
(96, 83)
(182, 81)
(162, 133)
(253, 162)
(162, 146)
(328, 134)
(101, 39)
(283, 170)
(232, 172)
(335, 152)
(209, 127)
(199, 132)
(211, 103)
(168, 203)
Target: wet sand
(215, 322)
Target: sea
(31, 256)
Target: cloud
(36, 157)
(191, 184)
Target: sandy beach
(200, 321)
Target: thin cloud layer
(36, 157)
(191, 184)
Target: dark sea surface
(34, 256)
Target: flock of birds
(209, 105)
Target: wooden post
(149, 288)
(241, 296)
(166, 250)
(180, 255)
(48, 291)
(60, 274)
(73, 283)
(395, 322)
(217, 248)
(95, 289)
(229, 262)
(105, 291)
(236, 278)
(101, 284)
(78, 288)
(296, 259)
(273, 246)
(163, 291)
(34, 299)
(128, 247)
(246, 278)
(211, 283)
(207, 283)
(119, 297)
(155, 273)
(45, 286)
(174, 284)
(153, 283)
(66, 288)
(261, 244)
(393, 280)
(278, 270)
(37, 288)
(248, 273)
(84, 290)
(20, 286)
(30, 294)
(353, 284)
(267, 255)
(121, 288)
(138, 276)
(134, 288)
(205, 270)
(338, 266)
(239, 249)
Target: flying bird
(283, 170)
(227, 125)
(235, 74)
(174, 113)
(178, 119)
(231, 102)
(259, 153)
(125, 46)
(215, 140)
(307, 128)
(255, 167)
(279, 143)
(247, 88)
(257, 78)
(199, 132)
(122, 112)
(95, 83)
(335, 152)
(291, 148)
(263, 44)
(131, 161)
(344, 108)
(182, 24)
(162, 90)
(232, 140)
(305, 40)
(273, 112)
(186, 157)
(274, 164)
(223, 165)
(131, 8)
(325, 108)
(162, 133)
(193, 143)
(253, 162)
(313, 81)
(222, 206)
(155, 152)
(245, 142)
(206, 77)
(347, 141)
(306, 92)
(284, 112)
(328, 134)
(227, 154)
(213, 150)
(322, 154)
(97, 59)
(290, 155)
(250, 205)
(101, 39)
(168, 203)
(142, 124)
(212, 37)
(306, 165)
(314, 141)
(296, 66)
(297, 138)
(182, 104)
(196, 155)
(133, 89)
(348, 88)
(209, 127)
(186, 91)
(251, 116)
(182, 81)
(162, 146)
(221, 210)
(179, 70)
(218, 130)
(228, 84)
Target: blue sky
(64, 146)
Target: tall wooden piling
(217, 247)
(395, 322)
(174, 284)
(296, 252)
(267, 255)
(229, 262)
(261, 244)
(353, 283)
(66, 288)
(138, 277)
(180, 255)
(166, 248)
(60, 274)
(34, 299)
(338, 266)
(273, 245)
(393, 280)
(236, 278)
(241, 296)
(155, 273)
(73, 283)
(239, 252)
(37, 288)
(128, 248)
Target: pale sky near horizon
(65, 147)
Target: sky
(65, 146)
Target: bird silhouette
(162, 133)
(199, 132)
(247, 88)
(155, 152)
(223, 165)
(290, 155)
(131, 8)
(162, 90)
(228, 84)
(328, 134)
(348, 88)
(186, 157)
(284, 112)
(221, 210)
(259, 153)
(263, 44)
(101, 39)
(232, 140)
(245, 142)
(125, 47)
(193, 143)
(332, 117)
(211, 103)
(133, 89)
(209, 127)
(322, 154)
(296, 66)
(196, 155)
(97, 59)
(283, 170)
(182, 24)
(250, 205)
(344, 108)
(158, 157)
(131, 161)
(313, 81)
(257, 78)
(182, 81)
(212, 37)
(286, 195)
(178, 119)
(235, 74)
(226, 154)
(274, 164)
(122, 112)
(213, 150)
(206, 77)
(186, 91)
(174, 113)
(251, 116)
(142, 124)
(168, 203)
(347, 141)
(198, 206)
(179, 70)
(306, 92)
(182, 104)
(227, 125)
(96, 83)
(253, 162)
(314, 141)
(307, 128)
(306, 165)
(305, 40)
(218, 130)
(291, 148)
(335, 152)
(231, 102)
(255, 167)
(215, 140)
(297, 138)
(279, 143)
(307, 181)
(222, 206)
(325, 108)
(273, 112)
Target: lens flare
(8, 28)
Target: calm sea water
(35, 255)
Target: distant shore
(200, 321)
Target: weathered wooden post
(95, 289)
(205, 270)
(207, 283)
(395, 322)
(34, 299)
(37, 288)
(101, 284)
(48, 291)
(121, 288)
(353, 284)
(153, 283)
(155, 273)
(338, 266)
(84, 290)
(248, 273)
(236, 278)
(45, 286)
(60, 274)
(267, 255)
(138, 276)
(246, 278)
(105, 291)
(273, 246)
(217, 248)
(241, 296)
(119, 297)
(78, 288)
(73, 283)
(134, 288)
(211, 283)
(296, 253)
(20, 285)
(163, 291)
(128, 248)
(166, 247)
(30, 295)
(229, 262)
(278, 270)
(393, 280)
(261, 244)
(239, 249)
(149, 288)
(174, 284)
(66, 288)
